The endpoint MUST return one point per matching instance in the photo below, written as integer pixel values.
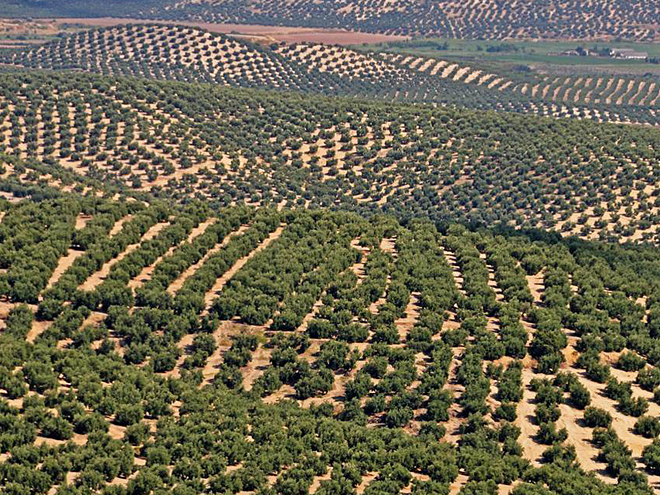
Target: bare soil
(270, 33)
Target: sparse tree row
(450, 19)
(153, 292)
(99, 251)
(179, 316)
(193, 55)
(584, 95)
(241, 147)
(415, 382)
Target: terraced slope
(448, 361)
(180, 140)
(490, 19)
(194, 55)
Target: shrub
(629, 361)
(649, 378)
(597, 418)
(647, 426)
(633, 406)
(580, 396)
(651, 456)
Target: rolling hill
(231, 265)
(191, 54)
(555, 19)
(181, 140)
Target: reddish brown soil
(269, 33)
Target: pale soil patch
(358, 268)
(366, 480)
(492, 282)
(387, 245)
(51, 442)
(455, 270)
(448, 70)
(285, 391)
(458, 484)
(507, 489)
(66, 261)
(491, 400)
(183, 344)
(222, 336)
(623, 425)
(64, 344)
(526, 421)
(63, 265)
(436, 68)
(96, 278)
(38, 327)
(580, 437)
(472, 76)
(571, 355)
(456, 389)
(316, 484)
(81, 221)
(255, 368)
(426, 65)
(415, 476)
(116, 431)
(536, 286)
(460, 73)
(406, 322)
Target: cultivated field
(256, 264)
(233, 147)
(616, 90)
(448, 361)
(190, 54)
(474, 19)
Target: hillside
(190, 54)
(490, 19)
(230, 146)
(239, 263)
(635, 97)
(185, 350)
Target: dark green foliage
(194, 415)
(647, 426)
(651, 456)
(579, 395)
(597, 418)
